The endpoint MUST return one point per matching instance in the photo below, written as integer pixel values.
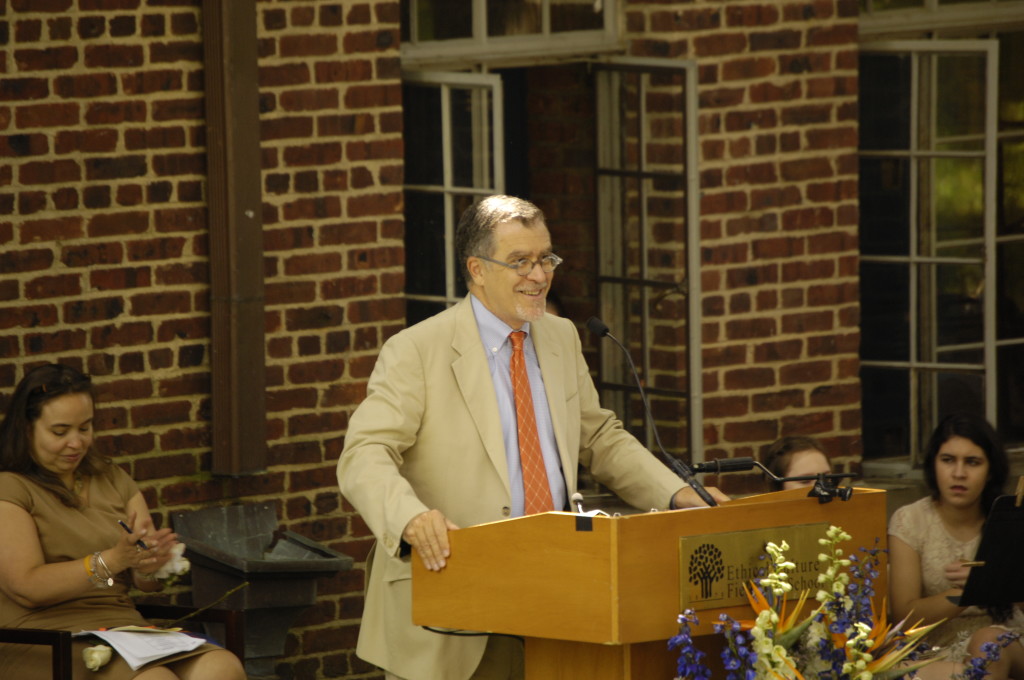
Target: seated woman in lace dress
(931, 539)
(65, 562)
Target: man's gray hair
(474, 235)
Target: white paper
(140, 646)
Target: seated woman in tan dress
(931, 539)
(65, 562)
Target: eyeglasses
(523, 266)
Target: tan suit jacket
(428, 435)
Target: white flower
(96, 657)
(176, 566)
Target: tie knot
(517, 340)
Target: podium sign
(715, 568)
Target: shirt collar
(493, 331)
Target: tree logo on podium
(706, 567)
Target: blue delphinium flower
(977, 667)
(738, 657)
(691, 660)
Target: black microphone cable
(600, 329)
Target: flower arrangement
(843, 638)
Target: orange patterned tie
(536, 490)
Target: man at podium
(478, 414)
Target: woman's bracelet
(94, 566)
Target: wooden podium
(598, 597)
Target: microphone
(725, 465)
(577, 500)
(599, 328)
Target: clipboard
(997, 579)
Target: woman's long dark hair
(39, 386)
(977, 430)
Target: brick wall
(103, 236)
(778, 135)
(103, 248)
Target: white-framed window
(450, 33)
(649, 251)
(454, 147)
(942, 236)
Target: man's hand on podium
(428, 533)
(688, 498)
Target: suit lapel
(473, 376)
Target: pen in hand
(140, 542)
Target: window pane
(1010, 303)
(961, 392)
(418, 310)
(513, 17)
(960, 105)
(958, 197)
(471, 148)
(886, 409)
(1011, 81)
(421, 110)
(958, 306)
(884, 206)
(443, 19)
(885, 304)
(1011, 189)
(424, 243)
(884, 101)
(1011, 393)
(882, 5)
(576, 15)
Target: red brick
(50, 172)
(23, 145)
(749, 378)
(321, 263)
(178, 110)
(53, 286)
(181, 274)
(46, 59)
(323, 44)
(180, 219)
(151, 81)
(756, 431)
(777, 401)
(114, 112)
(807, 322)
(113, 56)
(29, 316)
(23, 89)
(164, 412)
(190, 384)
(145, 304)
(46, 116)
(120, 278)
(56, 342)
(808, 424)
(121, 167)
(118, 224)
(94, 309)
(95, 140)
(86, 86)
(313, 154)
(292, 127)
(61, 229)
